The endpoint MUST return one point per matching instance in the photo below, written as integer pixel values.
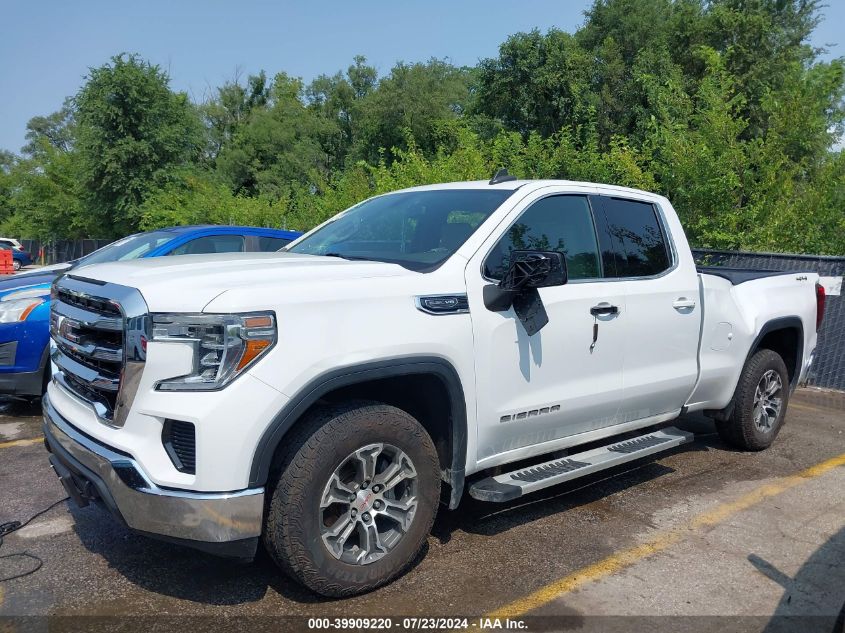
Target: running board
(511, 485)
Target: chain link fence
(829, 364)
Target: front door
(537, 390)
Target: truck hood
(188, 283)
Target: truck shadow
(814, 599)
(182, 573)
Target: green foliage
(131, 130)
(721, 105)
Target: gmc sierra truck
(493, 338)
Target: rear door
(662, 317)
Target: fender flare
(285, 419)
(782, 323)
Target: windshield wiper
(347, 257)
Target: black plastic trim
(241, 550)
(740, 275)
(180, 443)
(347, 376)
(493, 491)
(783, 323)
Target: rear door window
(267, 244)
(633, 241)
(211, 244)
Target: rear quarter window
(633, 243)
(265, 244)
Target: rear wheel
(760, 402)
(356, 495)
(16, 264)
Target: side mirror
(534, 269)
(528, 271)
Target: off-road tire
(739, 429)
(313, 451)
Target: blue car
(25, 298)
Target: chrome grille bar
(100, 332)
(91, 350)
(82, 372)
(87, 318)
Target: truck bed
(740, 275)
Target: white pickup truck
(466, 337)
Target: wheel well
(785, 342)
(426, 387)
(424, 396)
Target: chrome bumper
(90, 470)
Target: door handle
(683, 304)
(604, 308)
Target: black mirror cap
(534, 269)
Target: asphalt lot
(700, 531)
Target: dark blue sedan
(25, 298)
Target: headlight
(14, 310)
(224, 345)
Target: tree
(338, 99)
(537, 83)
(411, 101)
(131, 130)
(279, 144)
(56, 130)
(231, 108)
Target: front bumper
(22, 383)
(225, 523)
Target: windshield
(415, 229)
(131, 247)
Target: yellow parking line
(662, 541)
(26, 442)
(806, 407)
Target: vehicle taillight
(820, 299)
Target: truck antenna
(501, 175)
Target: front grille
(88, 323)
(179, 439)
(87, 302)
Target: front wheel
(355, 499)
(760, 402)
(16, 264)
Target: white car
(423, 341)
(11, 242)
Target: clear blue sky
(46, 47)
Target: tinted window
(416, 229)
(558, 223)
(211, 244)
(268, 244)
(635, 245)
